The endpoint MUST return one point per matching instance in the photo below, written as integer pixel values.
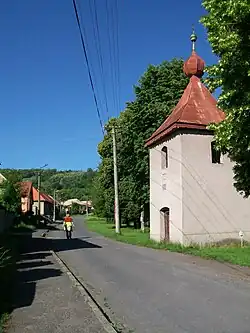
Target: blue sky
(47, 110)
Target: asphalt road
(44, 299)
(150, 291)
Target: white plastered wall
(166, 189)
(212, 209)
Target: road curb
(107, 325)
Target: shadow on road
(35, 263)
(72, 244)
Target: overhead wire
(111, 54)
(88, 65)
(113, 45)
(118, 56)
(115, 28)
(98, 45)
(86, 41)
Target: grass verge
(23, 227)
(8, 256)
(233, 253)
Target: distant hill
(69, 184)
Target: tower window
(164, 158)
(215, 153)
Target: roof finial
(193, 38)
(194, 65)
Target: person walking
(68, 225)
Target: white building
(2, 178)
(192, 197)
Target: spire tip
(193, 38)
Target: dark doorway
(165, 224)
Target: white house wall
(35, 204)
(212, 209)
(166, 189)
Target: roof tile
(196, 109)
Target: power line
(112, 31)
(88, 65)
(116, 51)
(97, 40)
(88, 48)
(118, 56)
(110, 53)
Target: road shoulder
(46, 300)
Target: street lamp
(54, 211)
(38, 187)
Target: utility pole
(117, 214)
(38, 191)
(54, 211)
(87, 208)
(142, 219)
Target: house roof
(25, 188)
(69, 202)
(47, 198)
(57, 202)
(43, 196)
(197, 107)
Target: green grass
(232, 253)
(23, 227)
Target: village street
(156, 291)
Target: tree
(228, 25)
(75, 209)
(158, 91)
(10, 196)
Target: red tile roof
(25, 188)
(47, 198)
(196, 109)
(43, 196)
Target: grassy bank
(233, 253)
(8, 256)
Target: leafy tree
(99, 195)
(228, 25)
(75, 209)
(158, 91)
(10, 196)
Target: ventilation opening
(164, 158)
(215, 153)
(165, 221)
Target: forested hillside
(69, 184)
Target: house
(2, 178)
(46, 203)
(84, 204)
(192, 196)
(26, 196)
